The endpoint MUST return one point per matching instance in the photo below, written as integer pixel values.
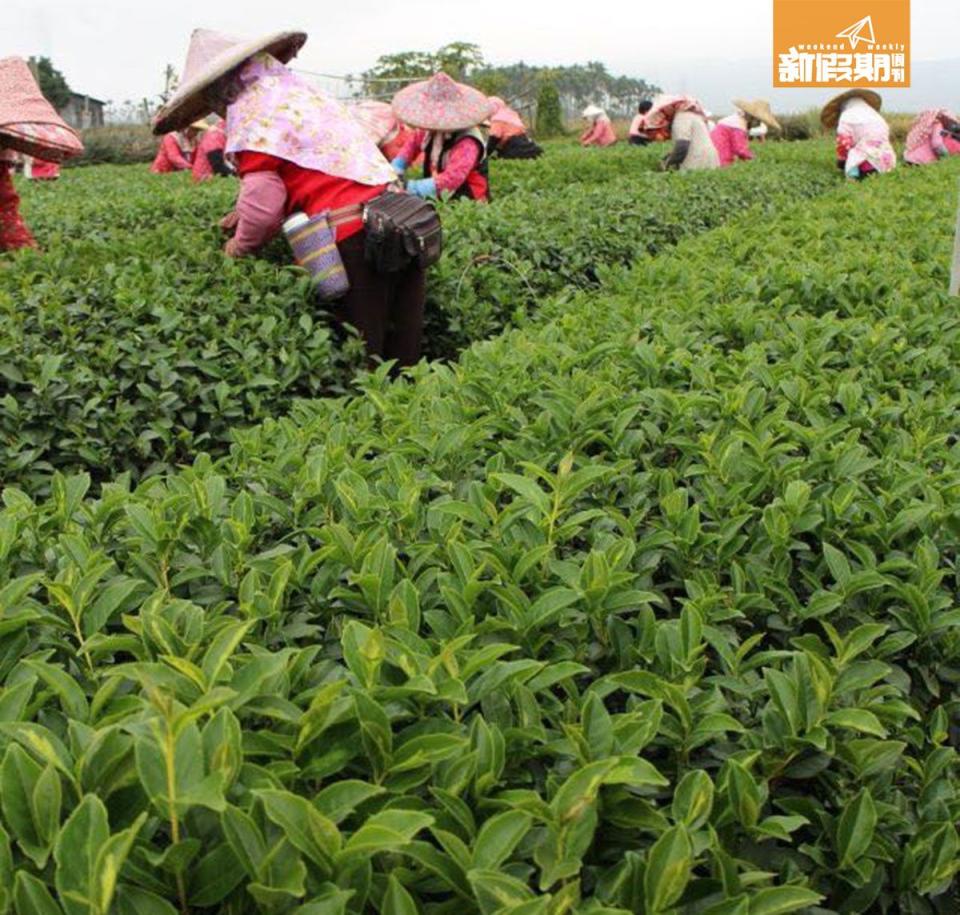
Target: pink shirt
(170, 157)
(731, 140)
(461, 161)
(601, 133)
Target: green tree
(549, 113)
(459, 59)
(52, 82)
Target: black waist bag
(401, 230)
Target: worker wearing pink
(732, 140)
(935, 134)
(731, 136)
(446, 115)
(174, 154)
(208, 158)
(600, 131)
(299, 151)
(28, 125)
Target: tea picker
(599, 130)
(732, 135)
(933, 136)
(29, 125)
(863, 136)
(304, 162)
(683, 119)
(447, 117)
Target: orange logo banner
(841, 43)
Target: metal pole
(955, 272)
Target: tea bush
(132, 343)
(646, 608)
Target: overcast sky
(117, 49)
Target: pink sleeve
(591, 135)
(741, 145)
(260, 209)
(461, 161)
(411, 149)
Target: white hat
(592, 111)
(210, 56)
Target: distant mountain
(935, 83)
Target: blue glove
(425, 187)
(853, 171)
(399, 165)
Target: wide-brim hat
(759, 109)
(212, 55)
(830, 116)
(592, 111)
(28, 122)
(440, 103)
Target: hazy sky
(117, 49)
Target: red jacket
(170, 156)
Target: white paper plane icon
(859, 31)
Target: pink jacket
(731, 140)
(933, 148)
(601, 133)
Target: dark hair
(645, 106)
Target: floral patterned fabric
(279, 113)
(865, 136)
(666, 107)
(13, 230)
(926, 142)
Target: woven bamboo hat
(441, 103)
(759, 109)
(28, 122)
(212, 55)
(830, 116)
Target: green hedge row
(132, 343)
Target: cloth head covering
(28, 122)
(377, 118)
(759, 109)
(666, 107)
(830, 116)
(858, 112)
(441, 104)
(593, 111)
(212, 55)
(924, 126)
(279, 113)
(504, 114)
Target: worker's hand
(231, 248)
(425, 187)
(229, 223)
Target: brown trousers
(386, 308)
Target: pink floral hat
(440, 103)
(212, 55)
(504, 114)
(28, 122)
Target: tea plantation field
(642, 599)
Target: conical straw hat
(830, 116)
(440, 103)
(759, 109)
(28, 122)
(212, 55)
